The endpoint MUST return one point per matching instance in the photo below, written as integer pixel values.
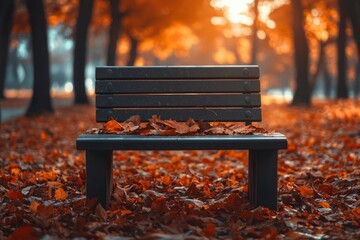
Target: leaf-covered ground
(183, 194)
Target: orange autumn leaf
(166, 179)
(184, 181)
(60, 194)
(324, 204)
(159, 205)
(207, 190)
(15, 195)
(45, 176)
(33, 206)
(209, 229)
(55, 184)
(356, 212)
(112, 126)
(24, 232)
(43, 136)
(125, 212)
(305, 191)
(46, 211)
(15, 171)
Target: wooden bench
(210, 93)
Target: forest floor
(183, 194)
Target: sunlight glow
(218, 21)
(317, 21)
(224, 56)
(240, 12)
(261, 34)
(270, 24)
(315, 12)
(68, 87)
(89, 84)
(317, 24)
(235, 11)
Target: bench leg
(99, 176)
(263, 178)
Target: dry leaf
(15, 195)
(305, 191)
(60, 194)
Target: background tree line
(172, 28)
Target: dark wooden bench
(210, 93)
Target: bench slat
(178, 72)
(182, 114)
(178, 86)
(211, 142)
(196, 100)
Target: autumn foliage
(156, 126)
(182, 194)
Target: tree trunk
(302, 94)
(40, 100)
(82, 25)
(6, 16)
(357, 80)
(319, 67)
(114, 32)
(353, 10)
(133, 50)
(234, 44)
(342, 91)
(254, 33)
(14, 63)
(327, 82)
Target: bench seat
(208, 142)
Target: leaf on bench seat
(156, 126)
(136, 120)
(112, 126)
(249, 129)
(127, 127)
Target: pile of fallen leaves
(183, 194)
(156, 126)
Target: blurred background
(49, 48)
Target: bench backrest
(209, 93)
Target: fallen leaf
(305, 191)
(112, 126)
(209, 229)
(324, 204)
(33, 206)
(100, 211)
(15, 195)
(60, 194)
(24, 232)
